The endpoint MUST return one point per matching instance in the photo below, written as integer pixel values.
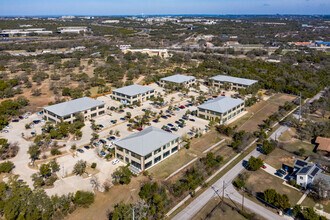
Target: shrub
(83, 198)
(93, 165)
(239, 183)
(145, 173)
(6, 167)
(73, 147)
(55, 151)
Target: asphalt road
(194, 207)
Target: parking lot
(114, 121)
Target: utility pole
(243, 201)
(300, 107)
(223, 190)
(216, 192)
(133, 214)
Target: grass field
(171, 164)
(279, 157)
(212, 211)
(261, 111)
(259, 181)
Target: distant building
(221, 108)
(146, 148)
(25, 32)
(65, 111)
(110, 22)
(233, 82)
(178, 80)
(75, 30)
(68, 17)
(151, 52)
(132, 94)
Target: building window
(127, 151)
(157, 151)
(148, 156)
(147, 165)
(164, 147)
(101, 112)
(66, 117)
(166, 154)
(120, 149)
(301, 178)
(93, 115)
(126, 159)
(137, 165)
(157, 159)
(93, 109)
(102, 106)
(174, 149)
(120, 156)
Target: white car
(114, 162)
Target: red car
(182, 106)
(215, 96)
(264, 166)
(139, 129)
(223, 95)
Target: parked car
(168, 116)
(21, 117)
(87, 147)
(264, 166)
(185, 117)
(102, 153)
(168, 130)
(4, 131)
(177, 109)
(278, 174)
(80, 150)
(122, 110)
(33, 133)
(191, 119)
(115, 161)
(281, 171)
(15, 120)
(164, 116)
(139, 129)
(123, 119)
(182, 107)
(190, 133)
(177, 122)
(101, 126)
(103, 141)
(171, 125)
(174, 129)
(113, 121)
(155, 120)
(36, 121)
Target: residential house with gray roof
(133, 94)
(305, 172)
(66, 111)
(146, 148)
(221, 109)
(233, 82)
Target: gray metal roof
(146, 141)
(73, 106)
(178, 78)
(221, 104)
(133, 90)
(232, 79)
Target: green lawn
(296, 145)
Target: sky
(152, 7)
